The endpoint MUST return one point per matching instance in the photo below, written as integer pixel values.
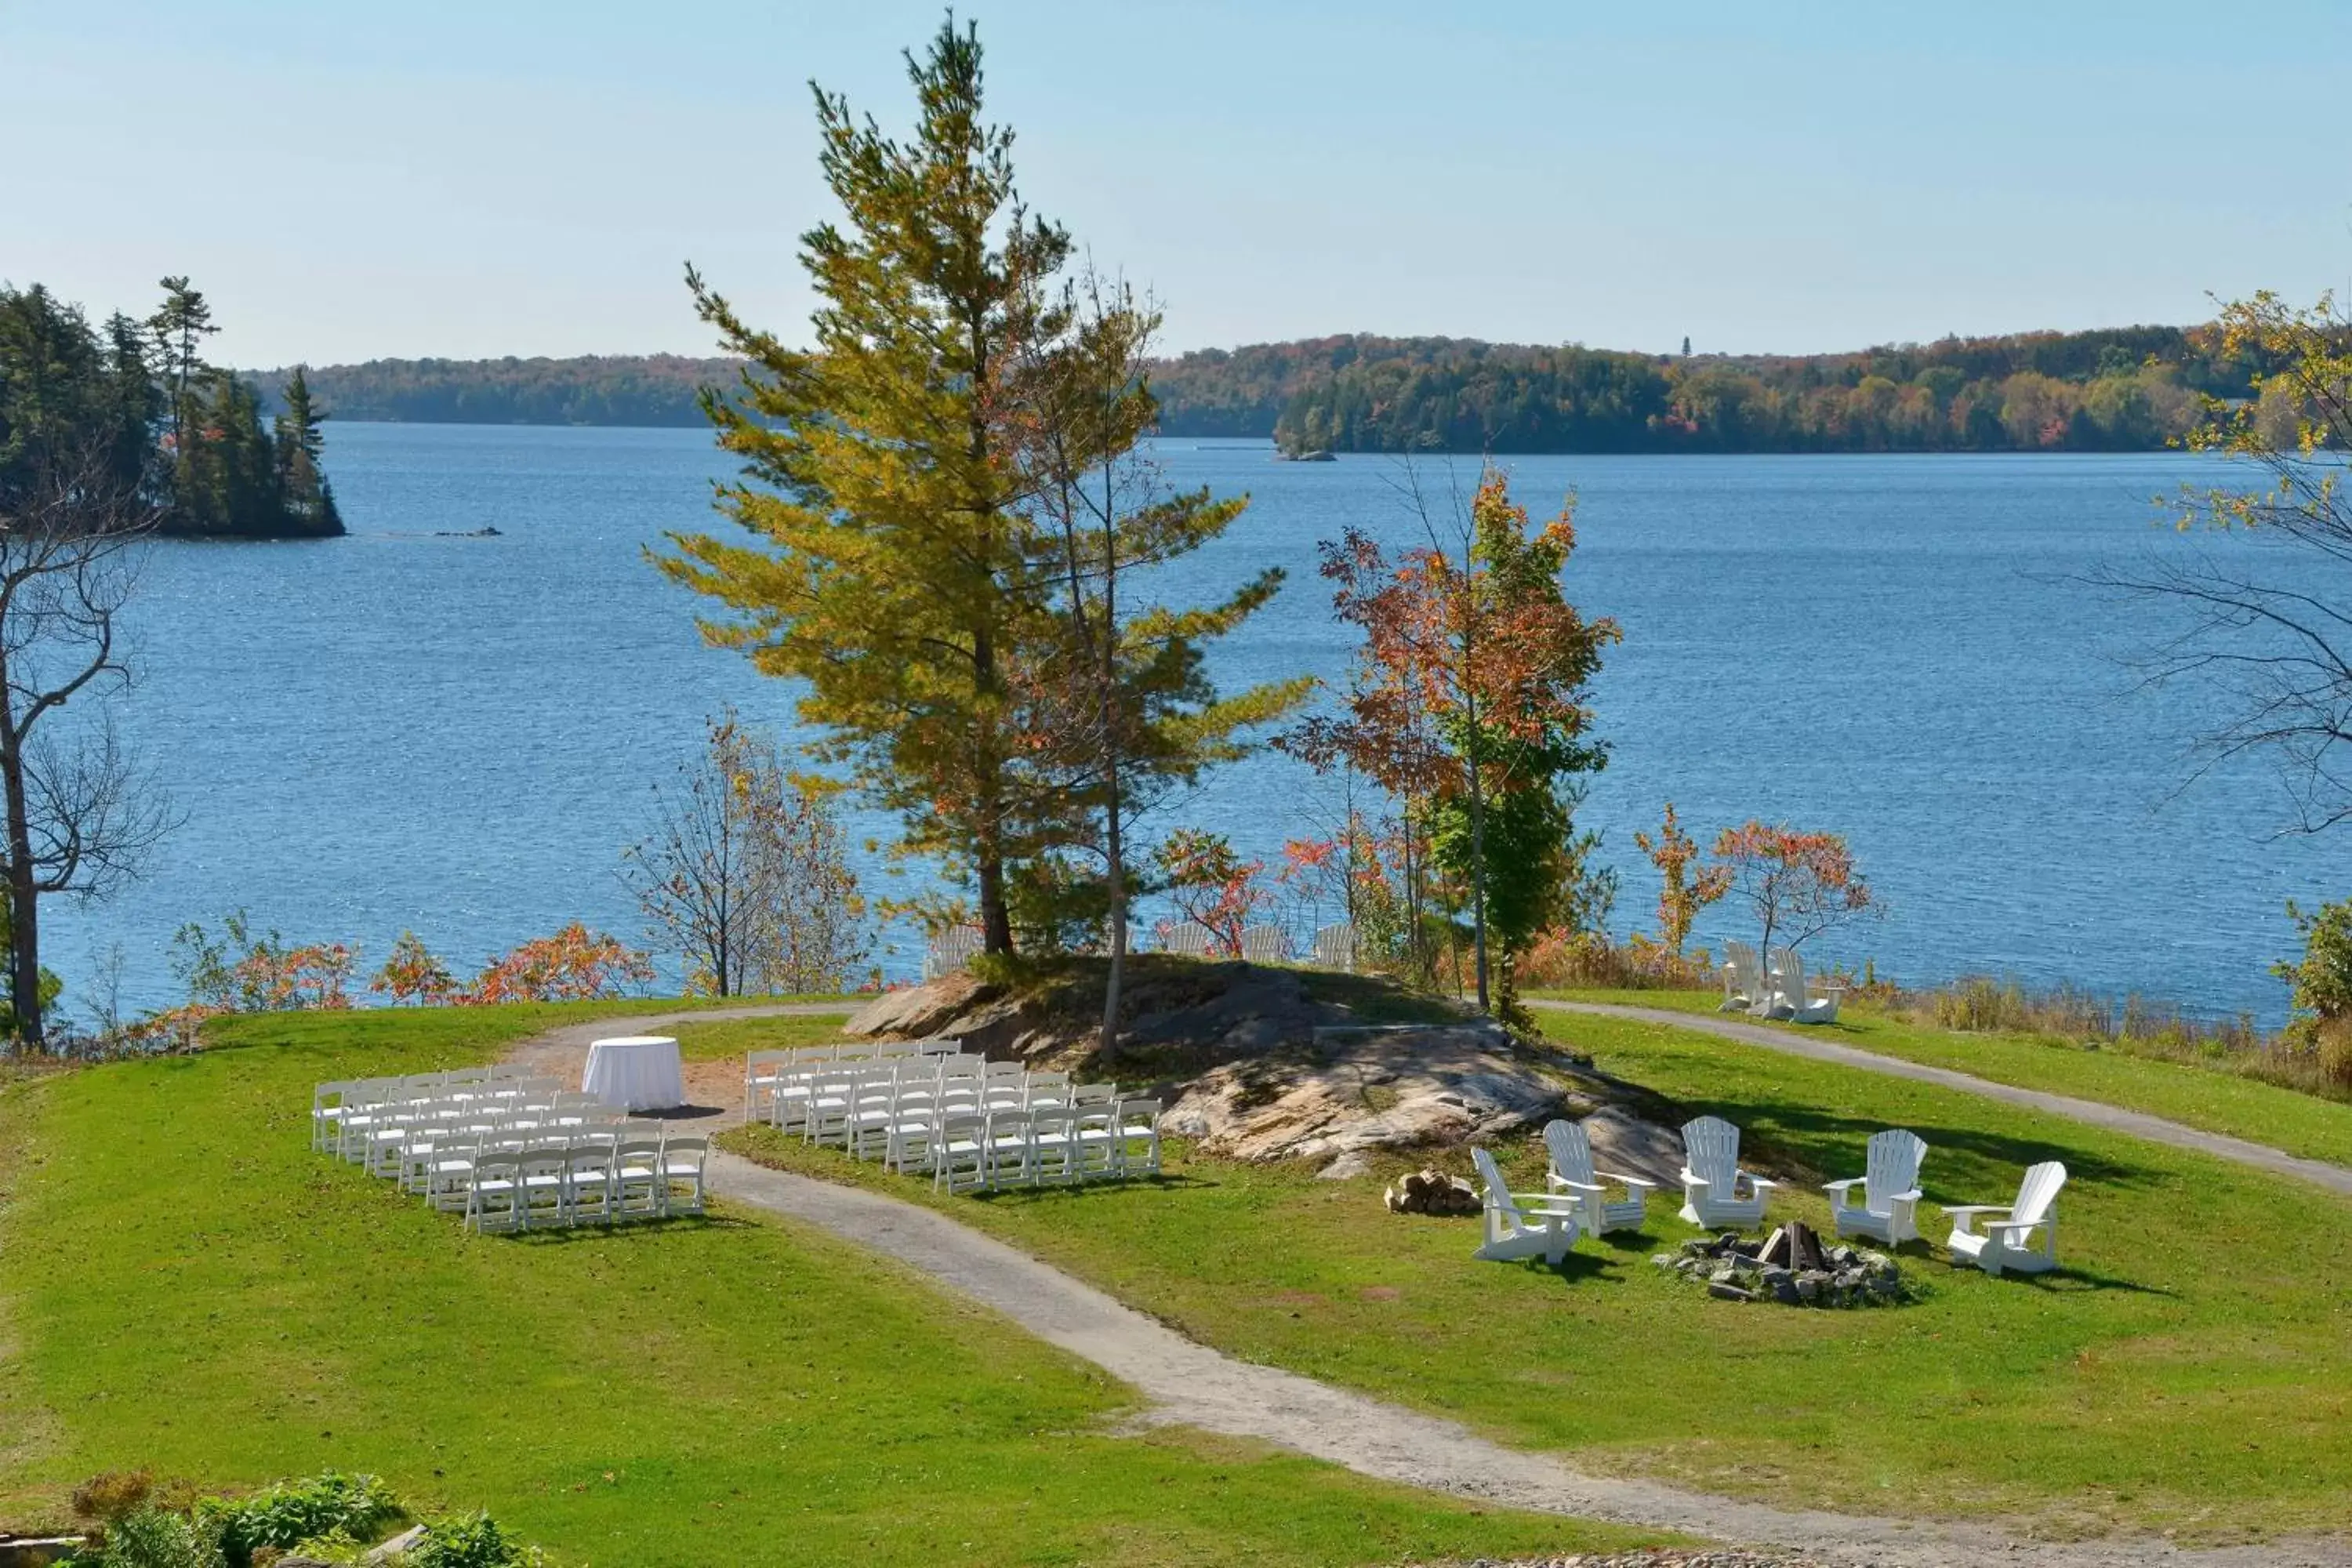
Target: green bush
(291, 1512)
(2321, 977)
(468, 1541)
(151, 1537)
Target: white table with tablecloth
(635, 1072)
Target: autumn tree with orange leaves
(1468, 703)
(1798, 885)
(1684, 889)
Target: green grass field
(184, 1285)
(2204, 1097)
(2191, 1369)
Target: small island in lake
(178, 441)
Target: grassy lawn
(2190, 1369)
(727, 1039)
(2196, 1097)
(184, 1285)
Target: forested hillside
(2124, 389)
(2121, 389)
(595, 389)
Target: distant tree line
(2123, 389)
(595, 389)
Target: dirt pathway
(2155, 1128)
(1187, 1384)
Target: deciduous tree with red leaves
(1797, 884)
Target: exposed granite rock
(1391, 1089)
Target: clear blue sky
(482, 178)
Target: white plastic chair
(1522, 1225)
(1572, 1176)
(960, 1154)
(1011, 1156)
(1186, 940)
(1138, 1137)
(1796, 999)
(638, 1178)
(1890, 1190)
(1264, 944)
(494, 1196)
(1712, 1178)
(1743, 978)
(682, 1160)
(2005, 1244)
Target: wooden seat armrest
(1559, 1183)
(1701, 1183)
(1841, 1186)
(1910, 1197)
(1957, 1210)
(1622, 1179)
(1759, 1183)
(2018, 1224)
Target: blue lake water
(398, 731)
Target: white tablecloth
(636, 1072)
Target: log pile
(1432, 1193)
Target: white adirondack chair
(1743, 978)
(1795, 998)
(950, 950)
(1572, 1175)
(1890, 1190)
(1187, 940)
(1334, 947)
(2005, 1243)
(1712, 1177)
(1264, 944)
(1522, 1225)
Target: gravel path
(1187, 1384)
(2155, 1128)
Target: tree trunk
(1118, 874)
(24, 901)
(1477, 863)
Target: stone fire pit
(1790, 1267)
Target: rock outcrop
(1404, 1087)
(1253, 1067)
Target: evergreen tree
(892, 567)
(1120, 711)
(303, 493)
(181, 324)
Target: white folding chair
(960, 1154)
(1138, 1137)
(494, 1195)
(682, 1161)
(1011, 1156)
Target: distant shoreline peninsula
(2121, 389)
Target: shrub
(151, 1537)
(469, 1541)
(109, 1497)
(292, 1512)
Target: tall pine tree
(892, 567)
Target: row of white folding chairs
(853, 1107)
(335, 1099)
(1049, 1146)
(590, 1179)
(363, 1136)
(412, 1150)
(763, 1070)
(785, 1102)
